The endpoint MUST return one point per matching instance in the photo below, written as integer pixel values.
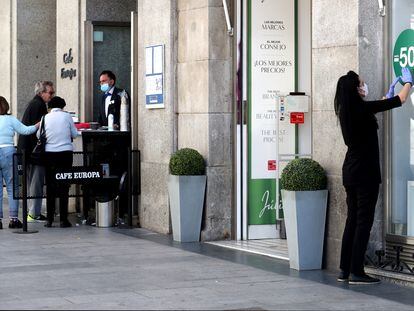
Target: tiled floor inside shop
(275, 248)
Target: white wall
(6, 51)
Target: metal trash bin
(104, 214)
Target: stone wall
(156, 127)
(110, 10)
(34, 47)
(333, 55)
(6, 52)
(359, 48)
(198, 108)
(371, 69)
(68, 38)
(204, 84)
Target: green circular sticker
(403, 55)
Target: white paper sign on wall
(154, 76)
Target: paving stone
(84, 268)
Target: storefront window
(402, 124)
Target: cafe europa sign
(78, 175)
(65, 72)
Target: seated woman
(60, 130)
(9, 125)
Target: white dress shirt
(108, 100)
(60, 130)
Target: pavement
(85, 267)
(91, 268)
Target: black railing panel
(104, 188)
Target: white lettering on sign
(272, 65)
(63, 176)
(406, 56)
(78, 175)
(86, 175)
(268, 206)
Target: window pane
(402, 137)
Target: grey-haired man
(35, 110)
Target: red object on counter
(80, 126)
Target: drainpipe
(226, 14)
(381, 8)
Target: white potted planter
(186, 189)
(304, 199)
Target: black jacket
(359, 129)
(114, 107)
(35, 110)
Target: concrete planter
(186, 195)
(305, 215)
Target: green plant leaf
(303, 175)
(187, 161)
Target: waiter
(111, 99)
(111, 103)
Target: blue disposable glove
(406, 76)
(392, 87)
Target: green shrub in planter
(303, 175)
(187, 161)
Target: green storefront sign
(272, 39)
(403, 55)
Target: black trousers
(361, 201)
(56, 161)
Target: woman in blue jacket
(9, 125)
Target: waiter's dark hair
(110, 74)
(347, 92)
(4, 106)
(56, 102)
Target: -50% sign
(403, 55)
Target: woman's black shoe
(343, 276)
(362, 280)
(65, 224)
(1, 225)
(15, 224)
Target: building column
(33, 48)
(204, 85)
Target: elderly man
(35, 110)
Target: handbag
(38, 153)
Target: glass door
(107, 47)
(111, 51)
(401, 134)
(273, 59)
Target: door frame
(88, 56)
(303, 83)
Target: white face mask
(363, 90)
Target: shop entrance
(112, 46)
(274, 59)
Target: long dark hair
(347, 96)
(4, 106)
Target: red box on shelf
(271, 165)
(297, 117)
